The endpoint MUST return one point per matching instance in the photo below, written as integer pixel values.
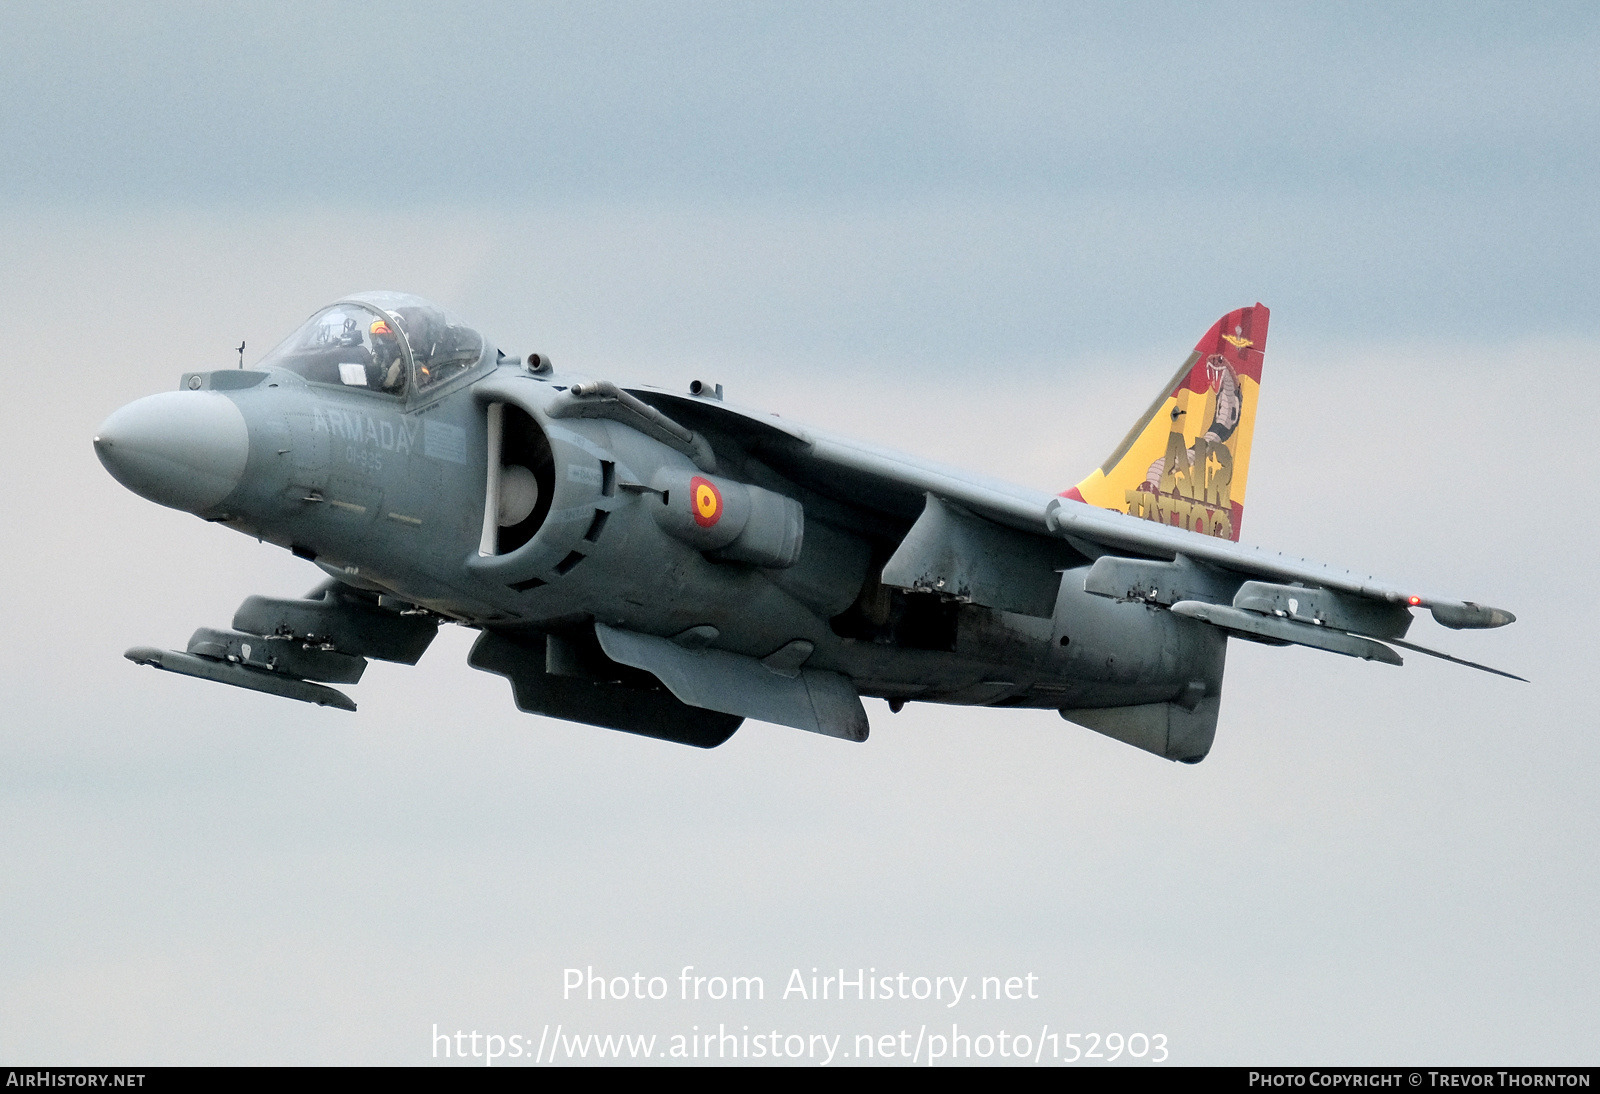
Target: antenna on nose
(241, 353)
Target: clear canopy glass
(380, 341)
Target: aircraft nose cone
(183, 449)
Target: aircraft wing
(852, 471)
(1001, 546)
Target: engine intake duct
(521, 480)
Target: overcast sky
(982, 233)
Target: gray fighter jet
(669, 564)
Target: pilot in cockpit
(375, 340)
(388, 371)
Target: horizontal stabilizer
(223, 672)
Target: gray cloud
(1435, 167)
(488, 100)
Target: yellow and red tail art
(1185, 463)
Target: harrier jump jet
(669, 563)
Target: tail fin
(1185, 462)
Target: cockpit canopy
(382, 341)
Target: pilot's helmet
(381, 330)
(441, 345)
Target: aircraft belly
(1114, 654)
(937, 677)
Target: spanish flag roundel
(706, 501)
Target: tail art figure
(1185, 462)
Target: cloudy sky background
(980, 233)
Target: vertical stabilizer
(1186, 461)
